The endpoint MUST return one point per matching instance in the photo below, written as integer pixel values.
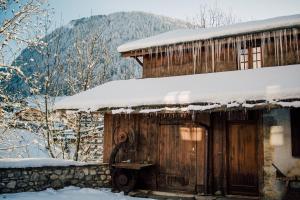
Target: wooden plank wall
(161, 65)
(219, 121)
(144, 130)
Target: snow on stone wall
(37, 162)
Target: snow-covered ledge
(36, 174)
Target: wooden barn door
(182, 150)
(242, 158)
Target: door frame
(259, 152)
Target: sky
(68, 10)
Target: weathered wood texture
(182, 157)
(189, 151)
(222, 143)
(242, 158)
(224, 57)
(175, 143)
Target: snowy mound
(36, 162)
(71, 192)
(189, 35)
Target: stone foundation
(40, 178)
(269, 173)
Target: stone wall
(270, 191)
(41, 178)
(278, 153)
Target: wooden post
(78, 138)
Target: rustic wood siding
(156, 138)
(220, 122)
(176, 63)
(242, 158)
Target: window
(256, 57)
(295, 131)
(244, 59)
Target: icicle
(269, 42)
(285, 40)
(234, 50)
(171, 50)
(206, 55)
(219, 50)
(194, 52)
(156, 54)
(193, 116)
(255, 44)
(295, 35)
(150, 53)
(281, 48)
(198, 59)
(228, 48)
(262, 48)
(183, 52)
(244, 41)
(161, 57)
(200, 53)
(237, 46)
(212, 46)
(291, 45)
(216, 48)
(275, 46)
(168, 58)
(180, 49)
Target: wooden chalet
(30, 114)
(216, 111)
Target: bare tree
(87, 70)
(91, 63)
(90, 67)
(19, 27)
(213, 16)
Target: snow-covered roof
(37, 162)
(234, 88)
(189, 35)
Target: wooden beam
(139, 61)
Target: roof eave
(178, 108)
(145, 51)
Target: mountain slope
(116, 29)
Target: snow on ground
(36, 162)
(68, 193)
(188, 35)
(21, 143)
(271, 84)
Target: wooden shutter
(295, 131)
